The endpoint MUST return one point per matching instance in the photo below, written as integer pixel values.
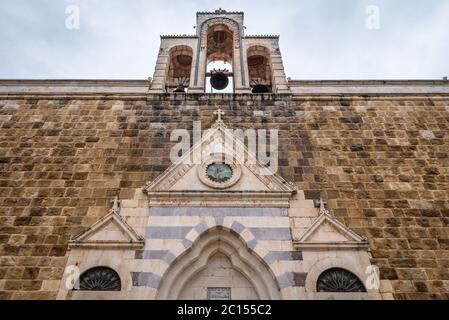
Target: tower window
(259, 69)
(220, 59)
(179, 70)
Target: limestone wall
(380, 161)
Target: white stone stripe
(249, 222)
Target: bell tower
(219, 58)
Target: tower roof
(219, 11)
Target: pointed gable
(112, 231)
(327, 232)
(186, 178)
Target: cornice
(368, 82)
(304, 89)
(218, 199)
(262, 36)
(179, 36)
(218, 12)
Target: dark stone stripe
(271, 233)
(292, 279)
(167, 232)
(202, 227)
(187, 244)
(237, 227)
(274, 256)
(181, 232)
(219, 212)
(299, 278)
(170, 258)
(145, 279)
(252, 245)
(285, 280)
(165, 255)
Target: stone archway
(218, 259)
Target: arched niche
(180, 67)
(220, 57)
(259, 69)
(339, 280)
(220, 43)
(237, 261)
(100, 279)
(220, 40)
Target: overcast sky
(320, 39)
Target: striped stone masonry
(244, 223)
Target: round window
(219, 172)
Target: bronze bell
(260, 88)
(219, 80)
(180, 89)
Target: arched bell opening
(179, 70)
(219, 77)
(220, 59)
(259, 69)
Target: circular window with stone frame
(219, 173)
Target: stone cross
(115, 205)
(322, 205)
(219, 113)
(323, 209)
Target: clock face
(219, 172)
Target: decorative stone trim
(221, 199)
(188, 264)
(248, 237)
(204, 228)
(354, 241)
(159, 193)
(106, 245)
(218, 212)
(135, 240)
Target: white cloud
(320, 39)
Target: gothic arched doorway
(219, 265)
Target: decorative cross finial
(219, 113)
(322, 205)
(116, 203)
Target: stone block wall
(381, 162)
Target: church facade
(221, 179)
